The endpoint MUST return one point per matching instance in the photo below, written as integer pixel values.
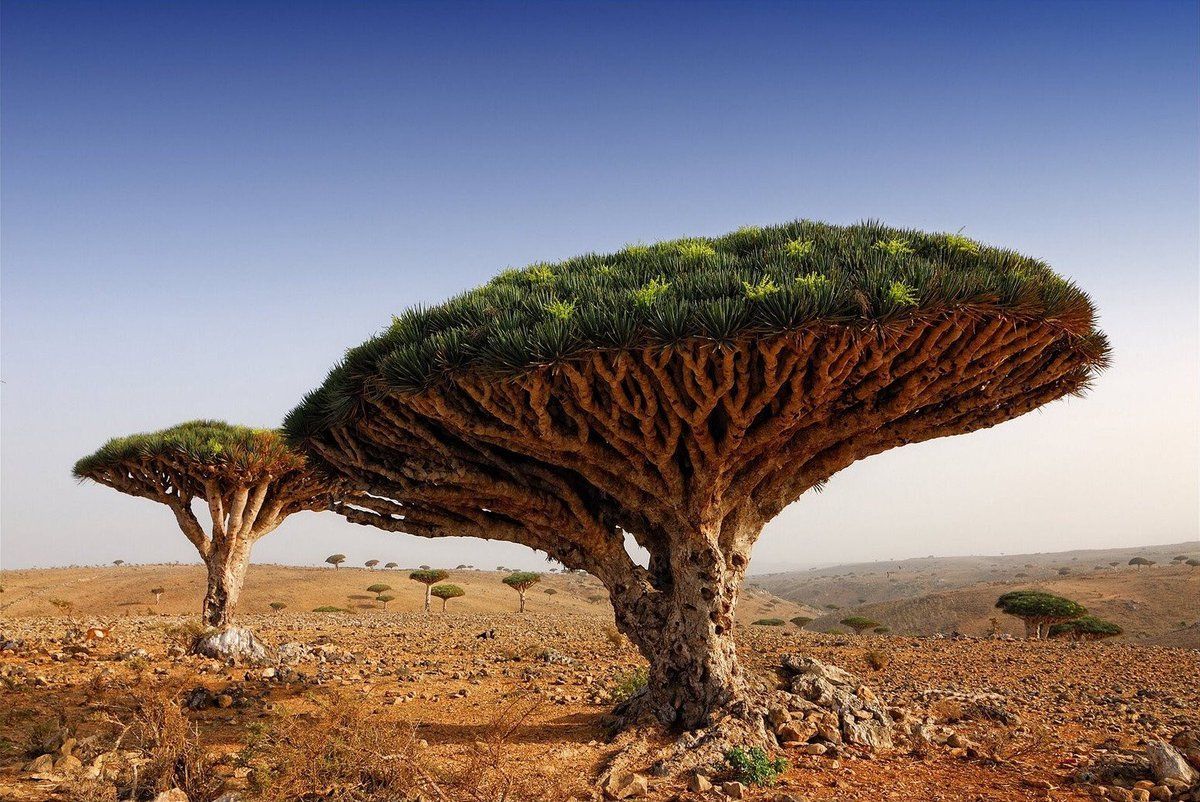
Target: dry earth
(521, 716)
(944, 595)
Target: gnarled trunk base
(813, 703)
(227, 566)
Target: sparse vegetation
(277, 606)
(384, 598)
(157, 593)
(1142, 562)
(378, 587)
(769, 622)
(336, 560)
(330, 608)
(370, 564)
(802, 621)
(754, 766)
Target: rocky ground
(401, 706)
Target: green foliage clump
(335, 559)
(769, 622)
(801, 621)
(277, 605)
(754, 766)
(763, 289)
(754, 282)
(329, 608)
(628, 684)
(1087, 627)
(521, 580)
(445, 592)
(429, 576)
(379, 587)
(1038, 604)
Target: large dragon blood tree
(685, 393)
(249, 479)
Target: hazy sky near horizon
(204, 205)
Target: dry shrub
(341, 752)
(1003, 744)
(949, 711)
(155, 749)
(878, 660)
(616, 638)
(484, 772)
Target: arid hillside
(108, 592)
(1157, 604)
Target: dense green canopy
(1038, 604)
(753, 281)
(201, 447)
(1088, 626)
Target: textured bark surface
(241, 509)
(227, 566)
(690, 448)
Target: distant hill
(931, 595)
(111, 591)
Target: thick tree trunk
(521, 606)
(227, 566)
(686, 634)
(428, 588)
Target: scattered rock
(1166, 763)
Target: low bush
(628, 684)
(769, 622)
(329, 608)
(754, 766)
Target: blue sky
(203, 205)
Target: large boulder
(232, 643)
(858, 717)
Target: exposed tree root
(814, 703)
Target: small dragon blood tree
(249, 478)
(685, 393)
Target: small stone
(224, 700)
(734, 790)
(698, 783)
(626, 786)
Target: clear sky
(205, 204)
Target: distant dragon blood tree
(685, 393)
(249, 479)
(1039, 611)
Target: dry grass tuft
(341, 753)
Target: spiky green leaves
(752, 282)
(207, 447)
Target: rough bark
(241, 510)
(690, 448)
(227, 565)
